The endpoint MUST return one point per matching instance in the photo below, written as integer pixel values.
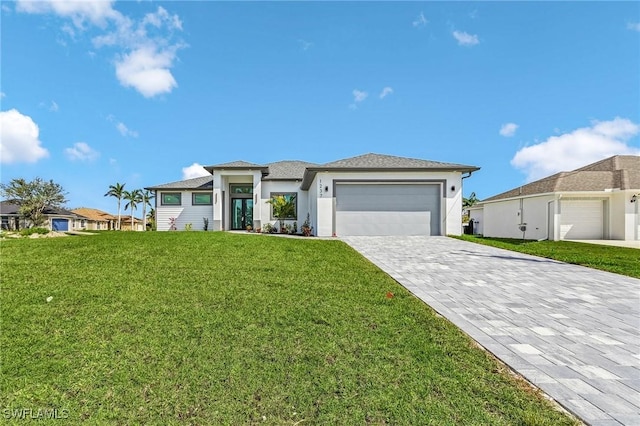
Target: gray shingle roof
(8, 207)
(305, 171)
(236, 165)
(287, 170)
(204, 182)
(379, 161)
(620, 171)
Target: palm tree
(133, 198)
(145, 199)
(151, 217)
(469, 202)
(116, 191)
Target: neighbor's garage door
(387, 209)
(60, 224)
(582, 219)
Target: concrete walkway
(570, 330)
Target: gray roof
(620, 171)
(305, 171)
(380, 161)
(288, 170)
(235, 165)
(204, 182)
(8, 207)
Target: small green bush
(30, 231)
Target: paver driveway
(570, 330)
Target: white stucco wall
(451, 205)
(502, 218)
(624, 218)
(184, 213)
(477, 215)
(272, 186)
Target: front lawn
(621, 260)
(218, 328)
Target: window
(242, 189)
(201, 199)
(171, 199)
(290, 197)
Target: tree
(145, 199)
(466, 203)
(34, 197)
(151, 217)
(469, 202)
(284, 207)
(117, 191)
(133, 198)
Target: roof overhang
(211, 169)
(311, 172)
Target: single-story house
(94, 219)
(370, 194)
(57, 219)
(125, 223)
(598, 201)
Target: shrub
(31, 231)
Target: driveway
(570, 330)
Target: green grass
(217, 328)
(621, 260)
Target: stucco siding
(302, 203)
(450, 209)
(502, 219)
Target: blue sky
(142, 93)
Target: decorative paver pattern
(572, 331)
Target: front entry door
(241, 213)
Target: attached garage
(387, 208)
(60, 224)
(581, 219)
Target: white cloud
(193, 171)
(147, 70)
(420, 21)
(2, 95)
(633, 26)
(80, 12)
(54, 106)
(125, 131)
(386, 91)
(577, 148)
(80, 151)
(465, 39)
(19, 141)
(358, 96)
(147, 46)
(508, 130)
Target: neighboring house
(594, 202)
(125, 223)
(94, 219)
(371, 194)
(56, 219)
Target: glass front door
(241, 213)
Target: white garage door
(387, 209)
(582, 219)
